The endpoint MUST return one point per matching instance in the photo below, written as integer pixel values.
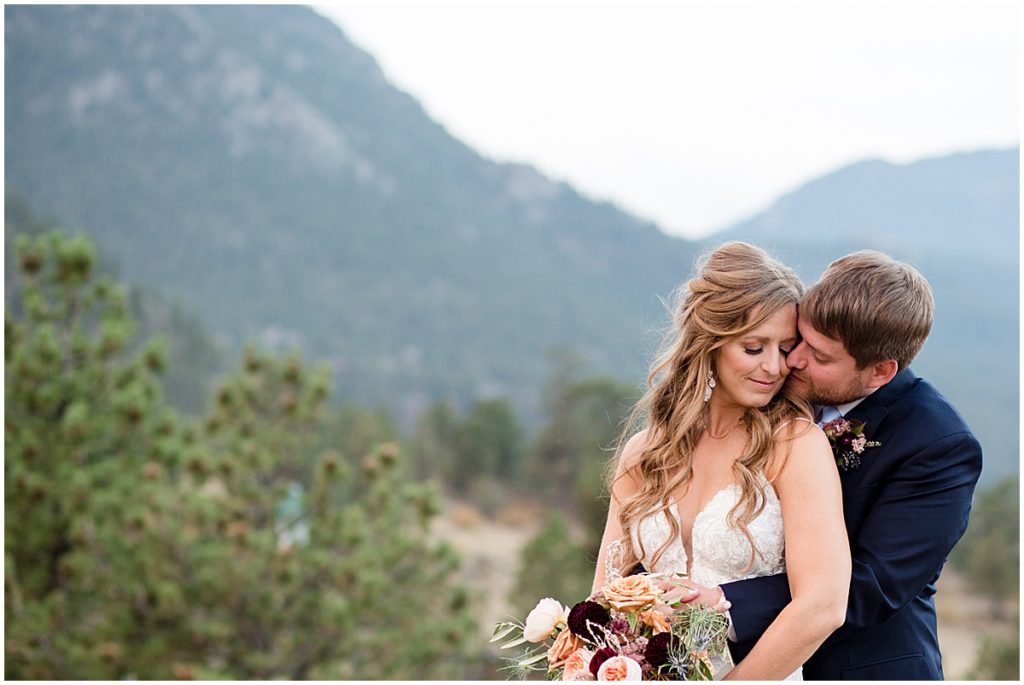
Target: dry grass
(490, 551)
(965, 618)
(465, 516)
(518, 513)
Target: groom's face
(822, 371)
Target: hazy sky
(697, 114)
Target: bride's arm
(817, 560)
(623, 485)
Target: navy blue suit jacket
(905, 508)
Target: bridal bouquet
(626, 631)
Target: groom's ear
(882, 372)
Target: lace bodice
(720, 552)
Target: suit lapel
(876, 405)
(871, 415)
(872, 411)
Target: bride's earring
(710, 385)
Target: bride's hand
(678, 589)
(686, 591)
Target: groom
(905, 500)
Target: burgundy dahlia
(658, 648)
(600, 656)
(582, 613)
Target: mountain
(251, 163)
(966, 204)
(255, 164)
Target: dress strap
(799, 418)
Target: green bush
(989, 553)
(138, 546)
(998, 658)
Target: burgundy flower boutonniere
(848, 442)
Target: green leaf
(502, 630)
(514, 643)
(531, 660)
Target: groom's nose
(797, 357)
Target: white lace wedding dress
(721, 553)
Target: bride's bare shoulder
(792, 441)
(625, 479)
(635, 447)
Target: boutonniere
(848, 442)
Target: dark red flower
(584, 612)
(600, 656)
(658, 648)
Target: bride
(728, 478)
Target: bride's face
(751, 368)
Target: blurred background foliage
(989, 558)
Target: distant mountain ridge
(255, 163)
(966, 204)
(252, 163)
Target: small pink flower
(859, 443)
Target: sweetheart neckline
(688, 553)
(674, 505)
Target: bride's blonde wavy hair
(737, 287)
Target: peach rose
(620, 668)
(565, 644)
(577, 664)
(656, 620)
(631, 592)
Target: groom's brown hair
(877, 307)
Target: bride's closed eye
(759, 350)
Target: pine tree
(235, 547)
(573, 450)
(989, 553)
(432, 449)
(488, 452)
(82, 424)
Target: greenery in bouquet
(629, 630)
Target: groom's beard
(834, 396)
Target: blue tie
(827, 413)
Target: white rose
(542, 620)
